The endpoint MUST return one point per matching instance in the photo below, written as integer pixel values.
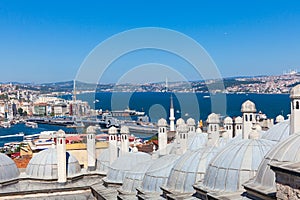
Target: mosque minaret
(295, 110)
(61, 156)
(124, 140)
(172, 117)
(113, 144)
(91, 148)
(248, 109)
(162, 136)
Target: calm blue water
(156, 105)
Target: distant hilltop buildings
(276, 84)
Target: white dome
(248, 106)
(191, 122)
(295, 92)
(162, 122)
(285, 151)
(118, 169)
(228, 120)
(8, 168)
(279, 118)
(182, 128)
(44, 165)
(103, 162)
(179, 121)
(278, 132)
(158, 173)
(133, 179)
(238, 120)
(124, 130)
(234, 165)
(213, 118)
(112, 130)
(189, 169)
(198, 141)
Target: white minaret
(228, 125)
(248, 109)
(172, 117)
(124, 140)
(179, 122)
(213, 128)
(91, 148)
(295, 110)
(238, 126)
(61, 156)
(113, 144)
(183, 134)
(162, 136)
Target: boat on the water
(31, 124)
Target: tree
(20, 111)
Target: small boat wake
(15, 135)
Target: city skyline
(47, 42)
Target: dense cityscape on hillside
(278, 84)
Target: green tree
(20, 111)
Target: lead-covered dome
(248, 107)
(8, 168)
(118, 169)
(44, 165)
(102, 164)
(189, 169)
(234, 165)
(295, 92)
(158, 173)
(278, 132)
(286, 151)
(198, 141)
(133, 179)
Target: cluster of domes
(235, 164)
(190, 168)
(286, 151)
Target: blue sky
(46, 41)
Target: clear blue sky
(46, 41)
